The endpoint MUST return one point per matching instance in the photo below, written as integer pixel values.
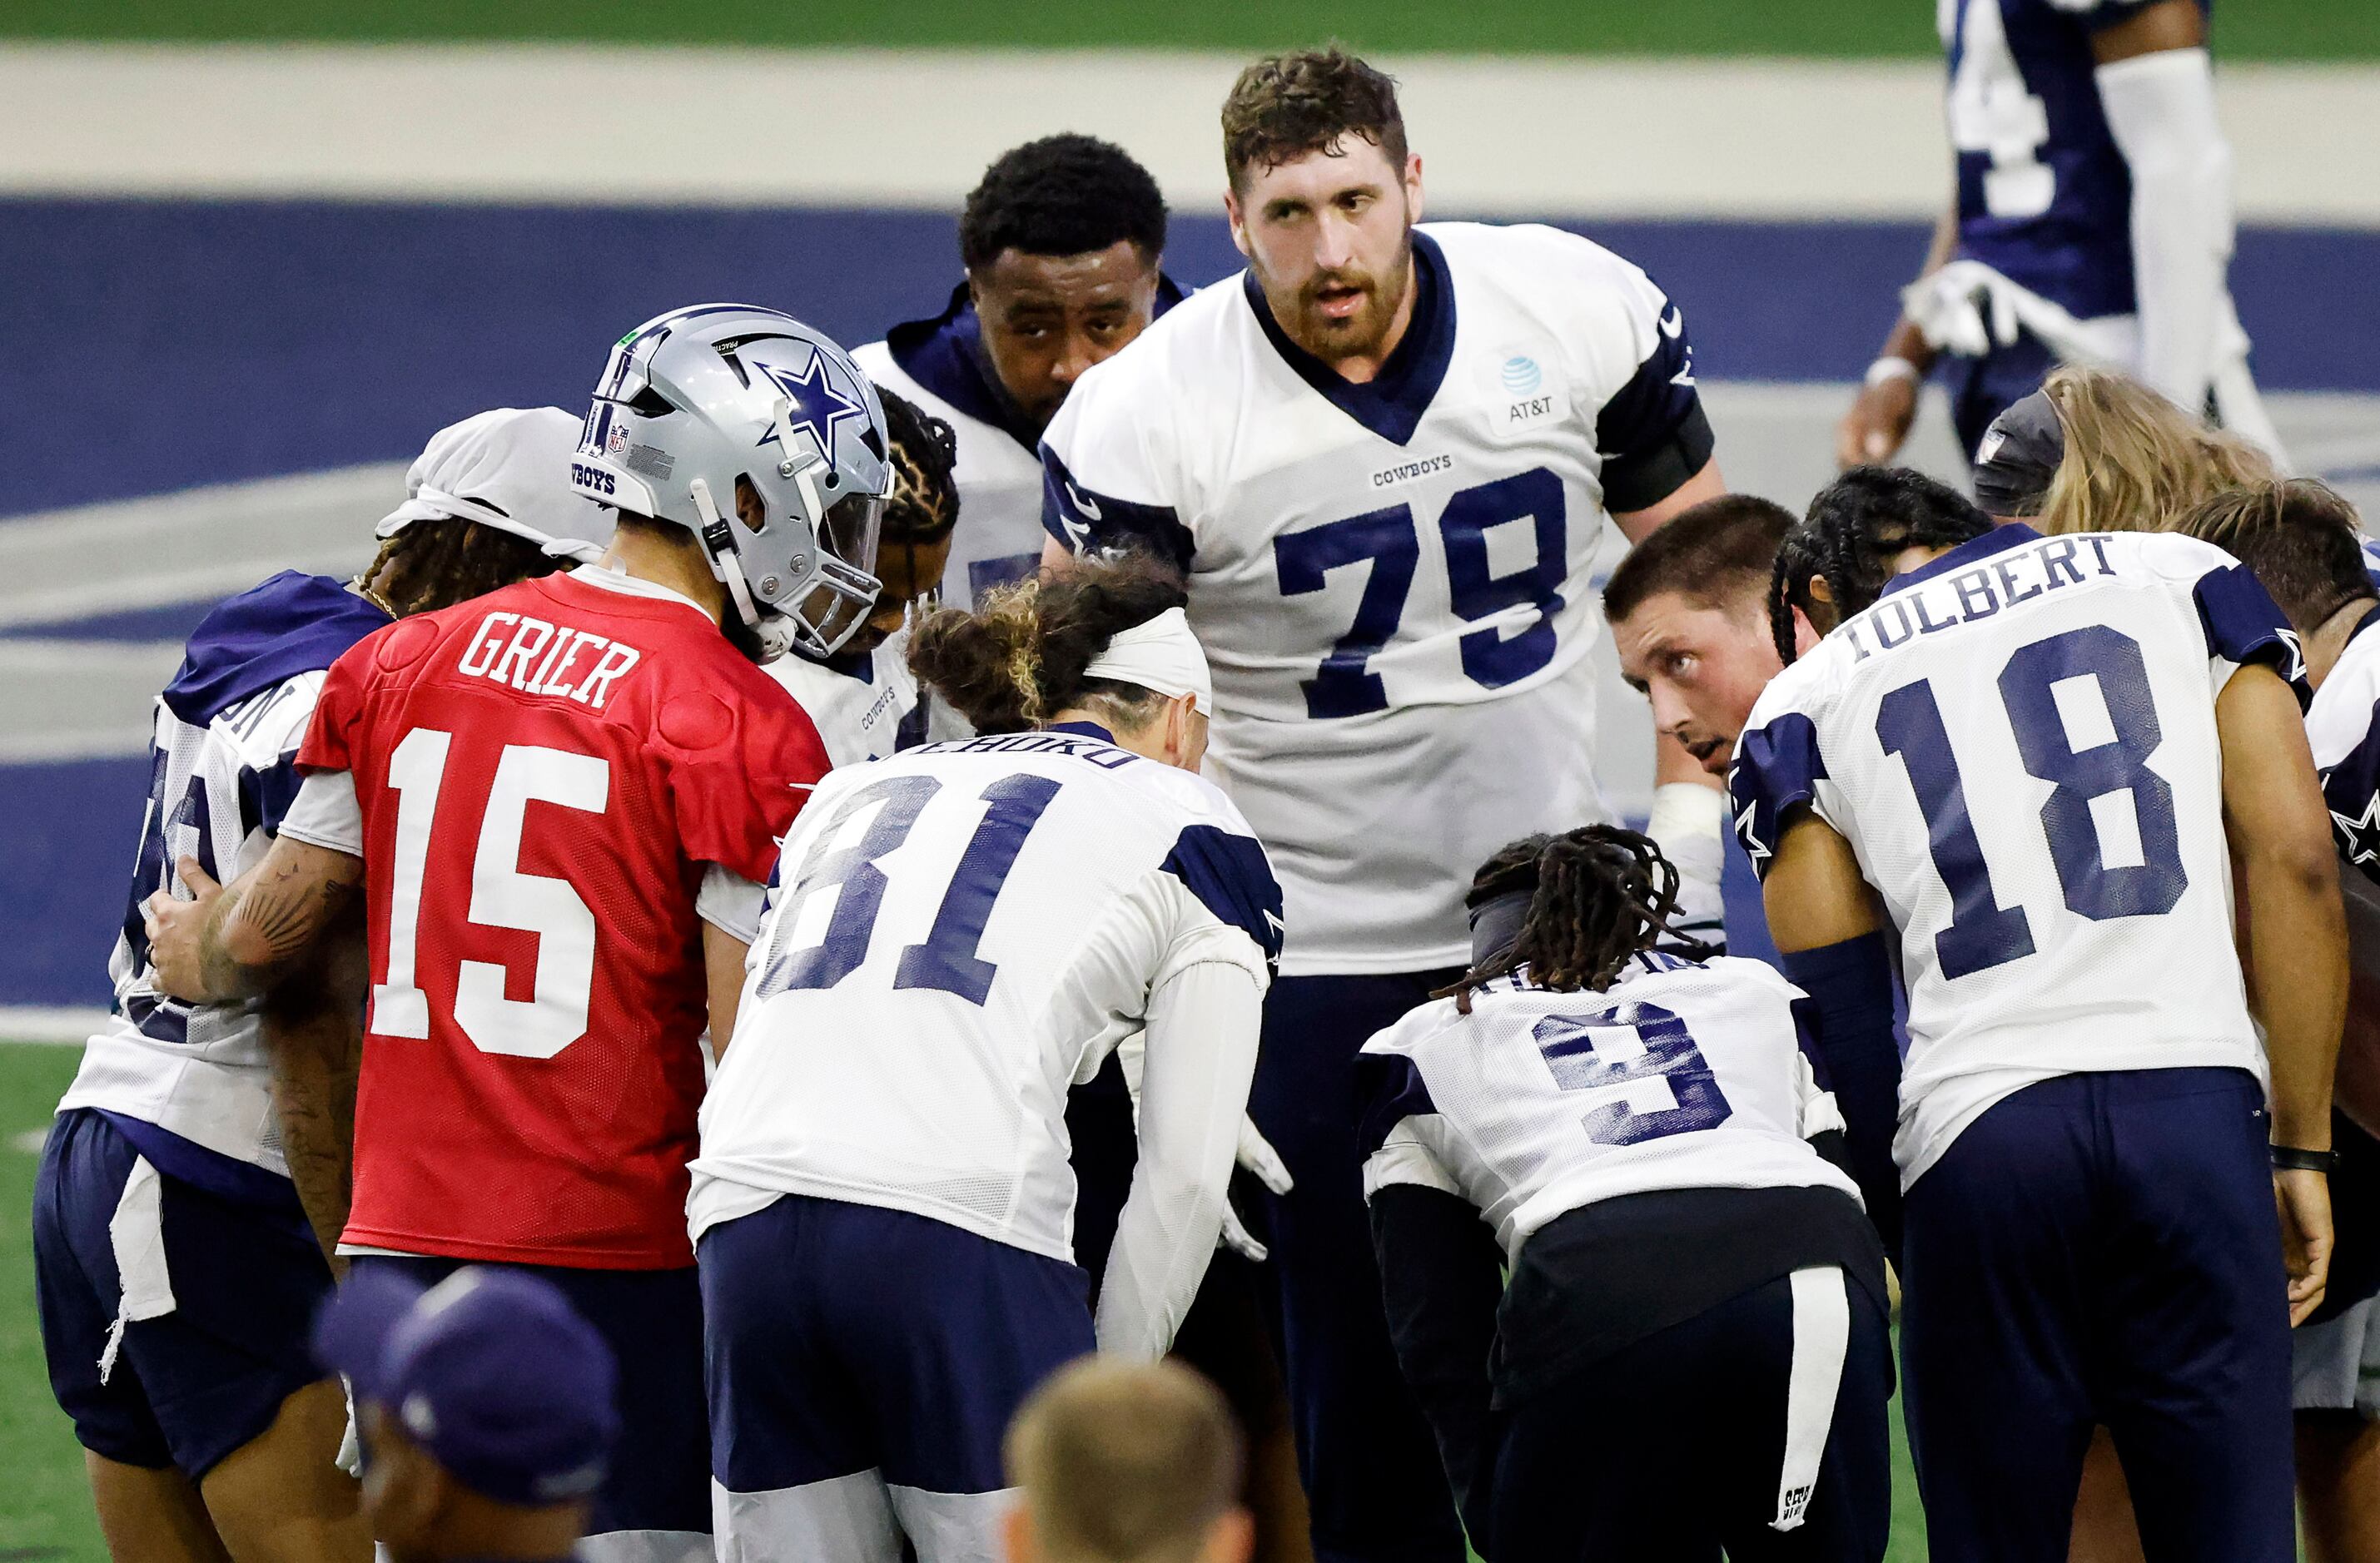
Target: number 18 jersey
(544, 776)
(2018, 741)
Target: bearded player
(559, 802)
(1383, 461)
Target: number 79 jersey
(957, 934)
(1395, 582)
(2018, 741)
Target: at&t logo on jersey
(1532, 400)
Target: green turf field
(2309, 29)
(45, 1510)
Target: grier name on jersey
(2019, 576)
(536, 657)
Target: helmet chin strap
(715, 538)
(775, 632)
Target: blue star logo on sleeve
(2359, 838)
(2295, 673)
(1745, 823)
(817, 407)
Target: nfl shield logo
(618, 439)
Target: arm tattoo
(268, 919)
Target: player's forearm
(1441, 1279)
(1905, 340)
(2297, 933)
(270, 917)
(315, 1058)
(1199, 1061)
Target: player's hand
(1255, 1154)
(177, 931)
(2305, 1201)
(1873, 431)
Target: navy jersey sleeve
(2350, 788)
(1230, 875)
(1776, 770)
(2243, 625)
(1087, 521)
(1651, 433)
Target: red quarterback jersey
(544, 774)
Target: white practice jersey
(2018, 741)
(865, 707)
(223, 758)
(997, 538)
(2343, 725)
(958, 935)
(1392, 581)
(1681, 1076)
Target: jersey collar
(1390, 403)
(945, 355)
(1999, 539)
(1082, 729)
(626, 585)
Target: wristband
(1891, 367)
(2291, 1159)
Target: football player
(863, 699)
(1588, 1111)
(561, 800)
(2091, 221)
(1383, 460)
(883, 1206)
(2305, 544)
(1062, 241)
(2038, 764)
(176, 1269)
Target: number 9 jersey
(1395, 582)
(2018, 741)
(545, 780)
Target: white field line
(46, 1022)
(1536, 137)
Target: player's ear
(1413, 186)
(1805, 636)
(1237, 218)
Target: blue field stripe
(156, 345)
(67, 833)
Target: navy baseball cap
(2017, 457)
(491, 1371)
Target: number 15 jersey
(1395, 582)
(543, 780)
(2018, 741)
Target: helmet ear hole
(749, 508)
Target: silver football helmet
(695, 399)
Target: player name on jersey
(505, 648)
(1977, 592)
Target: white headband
(505, 468)
(1162, 655)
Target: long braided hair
(1020, 658)
(1856, 526)
(1597, 895)
(444, 560)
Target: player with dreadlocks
(176, 1272)
(864, 698)
(1863, 529)
(1635, 1131)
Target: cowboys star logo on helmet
(815, 398)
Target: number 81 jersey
(2018, 741)
(1395, 582)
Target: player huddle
(1239, 809)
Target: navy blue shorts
(189, 1386)
(2102, 1250)
(864, 1365)
(1374, 1483)
(1692, 1439)
(659, 1479)
(1981, 389)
